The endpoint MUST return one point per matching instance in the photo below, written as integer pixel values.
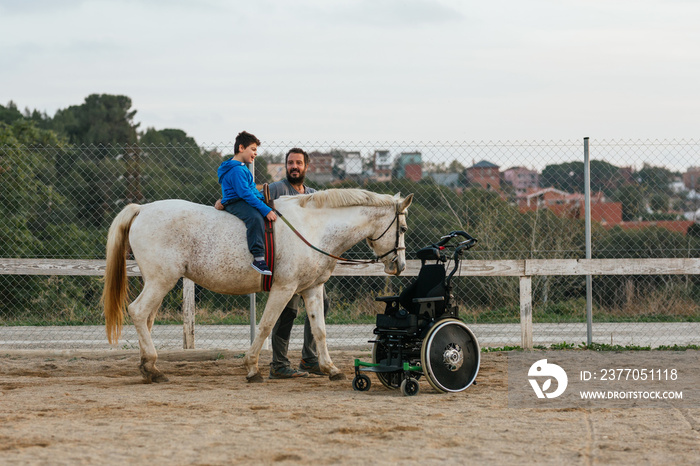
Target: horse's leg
(275, 304)
(313, 301)
(152, 318)
(142, 312)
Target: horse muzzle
(395, 266)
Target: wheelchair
(420, 332)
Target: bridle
(398, 233)
(395, 250)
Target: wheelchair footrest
(373, 367)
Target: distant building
(677, 186)
(410, 165)
(608, 214)
(522, 179)
(451, 180)
(352, 164)
(567, 205)
(382, 165)
(484, 174)
(320, 168)
(678, 226)
(277, 171)
(691, 178)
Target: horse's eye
(403, 229)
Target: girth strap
(269, 242)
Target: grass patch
(63, 309)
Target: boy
(241, 198)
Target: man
(296, 164)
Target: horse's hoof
(338, 376)
(159, 378)
(257, 378)
(151, 376)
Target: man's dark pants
(283, 330)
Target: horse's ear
(407, 202)
(397, 196)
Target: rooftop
(484, 164)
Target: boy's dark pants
(254, 223)
(283, 330)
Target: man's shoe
(311, 368)
(287, 373)
(261, 267)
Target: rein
(354, 261)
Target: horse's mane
(345, 198)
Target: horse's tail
(116, 287)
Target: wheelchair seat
(419, 303)
(429, 284)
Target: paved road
(237, 337)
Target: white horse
(174, 238)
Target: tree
(633, 201)
(22, 175)
(166, 137)
(655, 179)
(658, 202)
(564, 176)
(103, 119)
(569, 177)
(605, 177)
(170, 146)
(10, 113)
(455, 167)
(261, 174)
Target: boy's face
(248, 154)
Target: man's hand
(219, 205)
(272, 216)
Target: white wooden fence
(525, 269)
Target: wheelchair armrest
(429, 300)
(386, 299)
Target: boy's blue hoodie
(237, 183)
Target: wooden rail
(525, 269)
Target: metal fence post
(252, 295)
(589, 281)
(252, 317)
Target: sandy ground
(76, 407)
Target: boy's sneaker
(261, 267)
(286, 372)
(311, 368)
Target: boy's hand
(271, 216)
(219, 205)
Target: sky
(366, 70)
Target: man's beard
(296, 178)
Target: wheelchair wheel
(391, 380)
(361, 383)
(410, 387)
(450, 356)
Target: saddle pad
(269, 243)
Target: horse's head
(387, 241)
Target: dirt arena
(82, 408)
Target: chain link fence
(522, 200)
